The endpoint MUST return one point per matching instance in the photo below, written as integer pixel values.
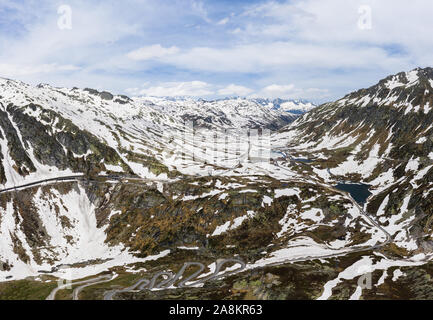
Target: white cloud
(173, 89)
(200, 89)
(152, 52)
(17, 70)
(313, 44)
(267, 57)
(223, 21)
(34, 49)
(235, 90)
(290, 91)
(278, 90)
(198, 8)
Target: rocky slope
(49, 132)
(155, 193)
(381, 136)
(46, 131)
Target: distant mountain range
(231, 112)
(291, 106)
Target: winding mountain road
(356, 204)
(172, 279)
(80, 177)
(142, 283)
(92, 282)
(84, 283)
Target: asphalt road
(80, 177)
(171, 279)
(76, 292)
(141, 284)
(92, 282)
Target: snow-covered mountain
(381, 136)
(83, 130)
(48, 133)
(148, 186)
(230, 112)
(291, 106)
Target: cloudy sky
(313, 49)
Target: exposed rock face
(86, 130)
(16, 146)
(382, 136)
(55, 142)
(106, 95)
(198, 212)
(146, 195)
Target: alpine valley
(160, 198)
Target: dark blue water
(304, 160)
(358, 191)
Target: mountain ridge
(150, 185)
(381, 136)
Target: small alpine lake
(358, 191)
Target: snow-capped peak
(410, 91)
(297, 106)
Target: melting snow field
(171, 142)
(364, 267)
(301, 248)
(83, 241)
